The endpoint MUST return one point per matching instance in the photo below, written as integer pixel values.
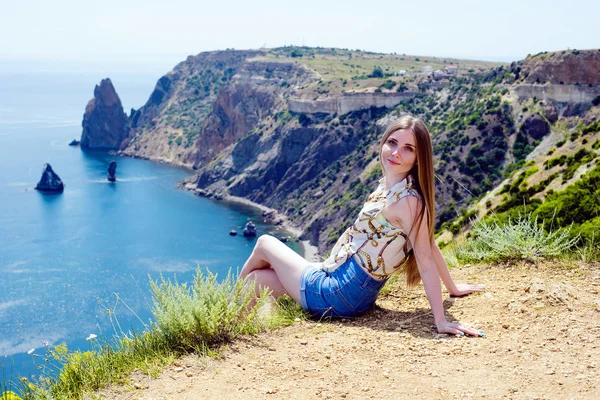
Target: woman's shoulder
(405, 191)
(407, 207)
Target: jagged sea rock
(74, 142)
(250, 229)
(105, 125)
(112, 171)
(50, 182)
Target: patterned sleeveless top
(378, 246)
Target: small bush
(377, 72)
(388, 84)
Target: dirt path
(543, 342)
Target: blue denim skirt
(346, 292)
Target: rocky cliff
(105, 125)
(299, 133)
(50, 181)
(208, 102)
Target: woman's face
(399, 152)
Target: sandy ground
(543, 342)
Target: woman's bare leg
(266, 278)
(269, 252)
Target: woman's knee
(265, 239)
(264, 242)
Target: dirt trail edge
(543, 342)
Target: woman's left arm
(404, 214)
(455, 290)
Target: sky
(160, 33)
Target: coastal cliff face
(168, 125)
(310, 173)
(208, 102)
(105, 125)
(253, 96)
(301, 136)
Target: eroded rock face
(50, 182)
(551, 113)
(535, 127)
(208, 102)
(112, 171)
(105, 125)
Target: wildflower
(91, 337)
(31, 351)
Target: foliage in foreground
(196, 318)
(522, 238)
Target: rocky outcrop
(112, 171)
(551, 113)
(105, 125)
(50, 182)
(249, 229)
(207, 103)
(568, 67)
(74, 142)
(535, 127)
(253, 95)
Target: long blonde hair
(422, 173)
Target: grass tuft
(589, 250)
(520, 239)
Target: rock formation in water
(105, 124)
(74, 142)
(112, 171)
(50, 182)
(250, 229)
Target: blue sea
(69, 262)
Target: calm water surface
(65, 258)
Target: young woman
(393, 231)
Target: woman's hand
(463, 289)
(458, 329)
